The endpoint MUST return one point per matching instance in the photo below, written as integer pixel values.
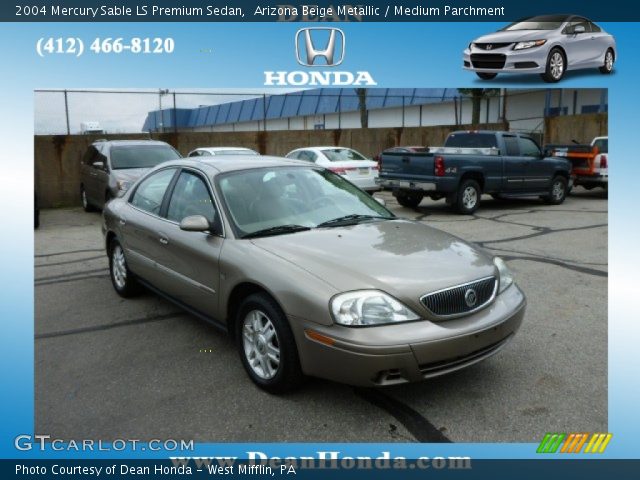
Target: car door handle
(122, 221)
(163, 240)
(405, 160)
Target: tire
(558, 191)
(85, 201)
(468, 197)
(122, 279)
(486, 76)
(556, 66)
(261, 327)
(609, 59)
(409, 200)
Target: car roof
(219, 149)
(130, 142)
(229, 163)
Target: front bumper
(408, 352)
(506, 60)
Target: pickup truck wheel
(409, 200)
(468, 198)
(558, 191)
(486, 76)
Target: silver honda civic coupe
(547, 44)
(311, 275)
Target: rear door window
(150, 193)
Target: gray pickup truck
(502, 164)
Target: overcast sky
(125, 111)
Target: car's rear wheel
(85, 201)
(123, 280)
(607, 67)
(468, 197)
(557, 192)
(556, 66)
(486, 76)
(409, 199)
(266, 345)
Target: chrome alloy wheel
(557, 65)
(469, 198)
(261, 345)
(608, 61)
(557, 191)
(119, 267)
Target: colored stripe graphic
(573, 442)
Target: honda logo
(315, 43)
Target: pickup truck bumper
(590, 181)
(406, 185)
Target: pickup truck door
(514, 165)
(538, 172)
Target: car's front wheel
(558, 191)
(266, 344)
(85, 201)
(486, 76)
(607, 67)
(556, 66)
(122, 279)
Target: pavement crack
(575, 268)
(70, 252)
(86, 259)
(109, 326)
(421, 429)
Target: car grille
(488, 60)
(491, 46)
(457, 301)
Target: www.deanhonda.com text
(321, 460)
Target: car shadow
(535, 79)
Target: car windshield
(602, 144)
(544, 22)
(342, 154)
(141, 156)
(264, 199)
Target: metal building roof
(303, 103)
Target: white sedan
(347, 162)
(210, 151)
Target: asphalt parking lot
(110, 368)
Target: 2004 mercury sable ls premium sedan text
(547, 44)
(310, 274)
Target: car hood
(129, 174)
(403, 258)
(514, 36)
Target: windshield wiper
(351, 219)
(277, 230)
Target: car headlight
(369, 307)
(506, 277)
(470, 45)
(529, 44)
(123, 185)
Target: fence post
(66, 112)
(175, 114)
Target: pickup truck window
(511, 146)
(471, 140)
(602, 144)
(528, 148)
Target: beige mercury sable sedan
(311, 275)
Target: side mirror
(195, 223)
(381, 201)
(578, 29)
(98, 165)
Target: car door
(191, 258)
(537, 170)
(578, 46)
(514, 164)
(143, 228)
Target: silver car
(311, 275)
(547, 44)
(109, 167)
